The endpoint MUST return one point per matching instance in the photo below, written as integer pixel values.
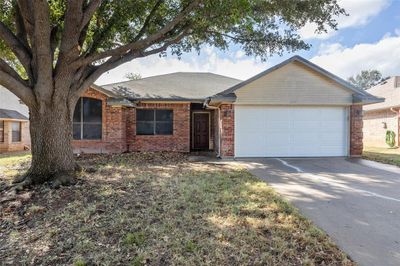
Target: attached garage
(294, 109)
(291, 131)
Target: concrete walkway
(356, 202)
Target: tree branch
(5, 67)
(19, 89)
(42, 46)
(89, 12)
(118, 60)
(16, 46)
(145, 43)
(20, 27)
(69, 47)
(148, 19)
(25, 8)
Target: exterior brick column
(356, 130)
(227, 130)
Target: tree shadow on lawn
(161, 210)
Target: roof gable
(361, 94)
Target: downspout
(206, 102)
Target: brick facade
(227, 130)
(376, 123)
(119, 130)
(356, 130)
(113, 129)
(178, 142)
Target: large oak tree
(52, 51)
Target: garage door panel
(277, 139)
(332, 126)
(305, 125)
(267, 131)
(276, 126)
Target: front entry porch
(203, 129)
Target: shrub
(390, 138)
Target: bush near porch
(157, 209)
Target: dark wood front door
(201, 123)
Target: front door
(201, 123)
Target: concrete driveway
(356, 202)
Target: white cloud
(345, 62)
(326, 49)
(240, 67)
(360, 13)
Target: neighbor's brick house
(292, 109)
(380, 117)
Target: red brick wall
(227, 130)
(356, 130)
(113, 132)
(178, 142)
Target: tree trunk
(52, 155)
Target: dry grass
(159, 209)
(383, 155)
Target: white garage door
(265, 131)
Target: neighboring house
(14, 123)
(294, 109)
(380, 117)
(14, 131)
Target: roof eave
(199, 100)
(366, 100)
(304, 61)
(116, 102)
(218, 99)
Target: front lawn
(158, 209)
(383, 155)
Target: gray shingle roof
(11, 114)
(180, 86)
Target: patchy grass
(383, 155)
(160, 209)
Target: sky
(369, 38)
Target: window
(16, 131)
(1, 131)
(87, 122)
(154, 122)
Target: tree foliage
(90, 37)
(53, 50)
(366, 79)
